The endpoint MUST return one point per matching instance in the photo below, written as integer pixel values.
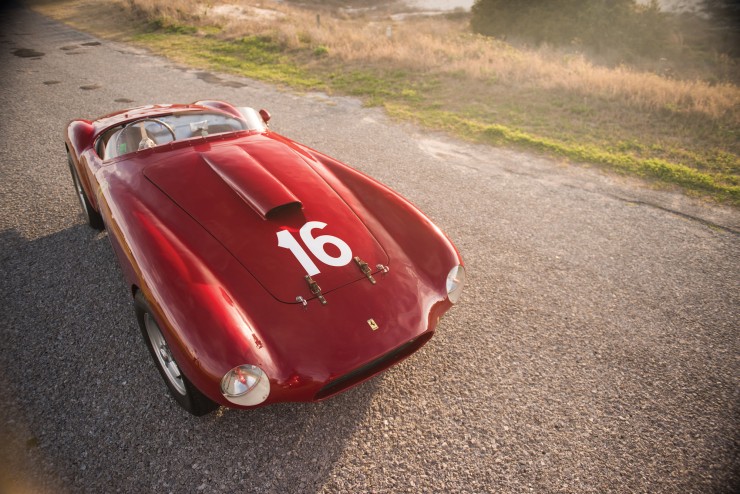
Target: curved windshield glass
(154, 131)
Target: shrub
(600, 25)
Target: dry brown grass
(444, 45)
(434, 72)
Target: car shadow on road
(83, 388)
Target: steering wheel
(163, 124)
(145, 142)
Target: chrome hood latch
(365, 268)
(315, 289)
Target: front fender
(184, 273)
(402, 227)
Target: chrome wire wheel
(180, 387)
(163, 354)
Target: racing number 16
(315, 245)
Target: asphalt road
(595, 349)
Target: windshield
(149, 132)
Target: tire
(181, 389)
(93, 217)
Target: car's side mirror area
(265, 115)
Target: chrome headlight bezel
(246, 385)
(455, 283)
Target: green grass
(256, 57)
(721, 186)
(658, 147)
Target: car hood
(246, 192)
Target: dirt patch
(214, 79)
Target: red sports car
(261, 270)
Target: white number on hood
(316, 245)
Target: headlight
(245, 385)
(455, 282)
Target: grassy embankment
(432, 71)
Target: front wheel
(93, 217)
(187, 395)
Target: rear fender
(219, 105)
(79, 136)
(78, 142)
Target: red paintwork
(194, 225)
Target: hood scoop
(244, 193)
(256, 186)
